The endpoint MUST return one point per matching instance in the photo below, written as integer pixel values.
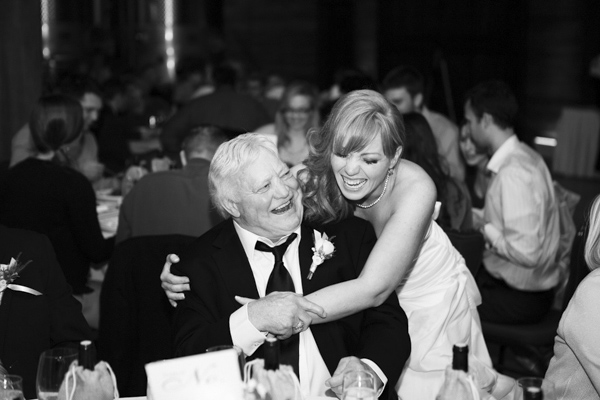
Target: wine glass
(52, 368)
(11, 387)
(240, 352)
(359, 385)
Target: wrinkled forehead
(263, 166)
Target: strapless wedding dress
(440, 299)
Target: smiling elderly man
(264, 251)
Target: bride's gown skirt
(440, 299)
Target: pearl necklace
(389, 173)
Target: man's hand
(348, 364)
(282, 313)
(173, 285)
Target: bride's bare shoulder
(413, 183)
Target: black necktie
(280, 280)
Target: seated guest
(421, 149)
(575, 367)
(175, 201)
(39, 312)
(88, 94)
(298, 112)
(476, 159)
(44, 194)
(225, 107)
(520, 217)
(250, 184)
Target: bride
(354, 167)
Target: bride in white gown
(354, 167)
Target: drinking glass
(11, 387)
(240, 352)
(359, 385)
(546, 386)
(52, 368)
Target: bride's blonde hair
(356, 119)
(592, 244)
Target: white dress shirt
(521, 219)
(312, 369)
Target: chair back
(135, 314)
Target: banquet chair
(135, 314)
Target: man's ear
(418, 100)
(396, 157)
(487, 120)
(232, 208)
(182, 158)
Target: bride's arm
(394, 253)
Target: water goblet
(52, 368)
(359, 385)
(11, 387)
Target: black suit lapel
(305, 254)
(233, 265)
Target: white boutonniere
(322, 251)
(9, 272)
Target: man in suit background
(250, 184)
(39, 312)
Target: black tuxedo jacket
(31, 324)
(219, 270)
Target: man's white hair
(224, 176)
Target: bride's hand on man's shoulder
(173, 285)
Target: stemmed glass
(52, 368)
(11, 387)
(359, 385)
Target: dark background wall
(542, 48)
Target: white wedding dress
(440, 299)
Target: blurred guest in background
(176, 201)
(404, 87)
(476, 175)
(520, 219)
(298, 112)
(346, 80)
(44, 194)
(575, 367)
(88, 94)
(421, 149)
(39, 312)
(224, 107)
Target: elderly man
(520, 218)
(252, 186)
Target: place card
(214, 375)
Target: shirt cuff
(492, 234)
(243, 333)
(379, 374)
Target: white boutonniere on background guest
(323, 250)
(9, 272)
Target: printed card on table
(214, 375)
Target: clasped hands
(281, 314)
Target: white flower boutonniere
(9, 272)
(322, 251)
